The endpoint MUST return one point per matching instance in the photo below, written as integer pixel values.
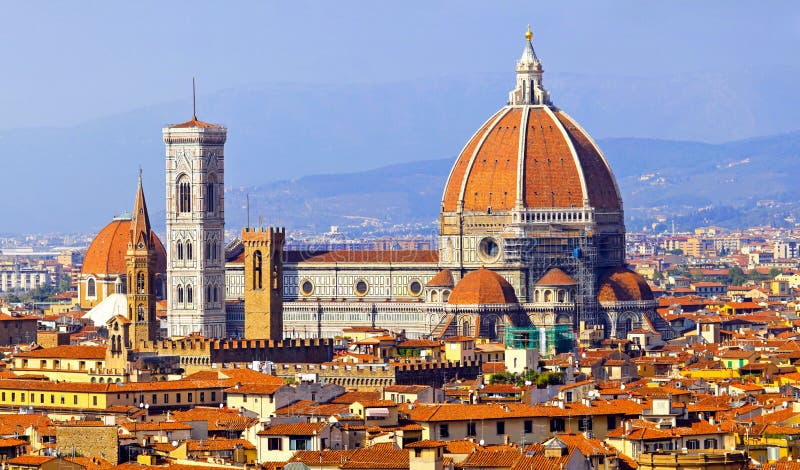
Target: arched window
(189, 251)
(140, 283)
(210, 193)
(184, 194)
(257, 274)
(208, 250)
(179, 294)
(214, 250)
(179, 249)
(91, 290)
(561, 296)
(189, 294)
(216, 291)
(465, 328)
(140, 313)
(208, 294)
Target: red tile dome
(106, 253)
(622, 285)
(536, 154)
(483, 287)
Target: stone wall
(378, 376)
(89, 441)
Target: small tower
(140, 261)
(263, 283)
(529, 89)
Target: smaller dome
(483, 287)
(106, 253)
(556, 277)
(622, 285)
(443, 279)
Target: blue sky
(67, 62)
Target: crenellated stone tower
(263, 283)
(195, 228)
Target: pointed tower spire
(140, 224)
(529, 89)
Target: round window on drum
(306, 287)
(415, 288)
(489, 250)
(361, 287)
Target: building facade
(531, 200)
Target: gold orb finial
(529, 33)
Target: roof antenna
(194, 102)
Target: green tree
(774, 272)
(736, 276)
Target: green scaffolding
(557, 339)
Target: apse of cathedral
(532, 240)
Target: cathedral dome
(483, 287)
(622, 285)
(530, 155)
(106, 253)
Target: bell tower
(263, 283)
(195, 228)
(140, 261)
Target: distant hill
(747, 182)
(77, 178)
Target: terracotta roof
(30, 459)
(217, 444)
(556, 277)
(484, 458)
(443, 278)
(294, 429)
(106, 253)
(378, 456)
(224, 419)
(482, 287)
(195, 123)
(419, 343)
(363, 256)
(67, 352)
(352, 397)
(622, 285)
(488, 167)
(326, 458)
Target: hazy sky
(65, 62)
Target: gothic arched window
(179, 294)
(140, 283)
(208, 250)
(179, 249)
(257, 274)
(216, 291)
(210, 201)
(189, 251)
(184, 194)
(189, 294)
(91, 290)
(208, 294)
